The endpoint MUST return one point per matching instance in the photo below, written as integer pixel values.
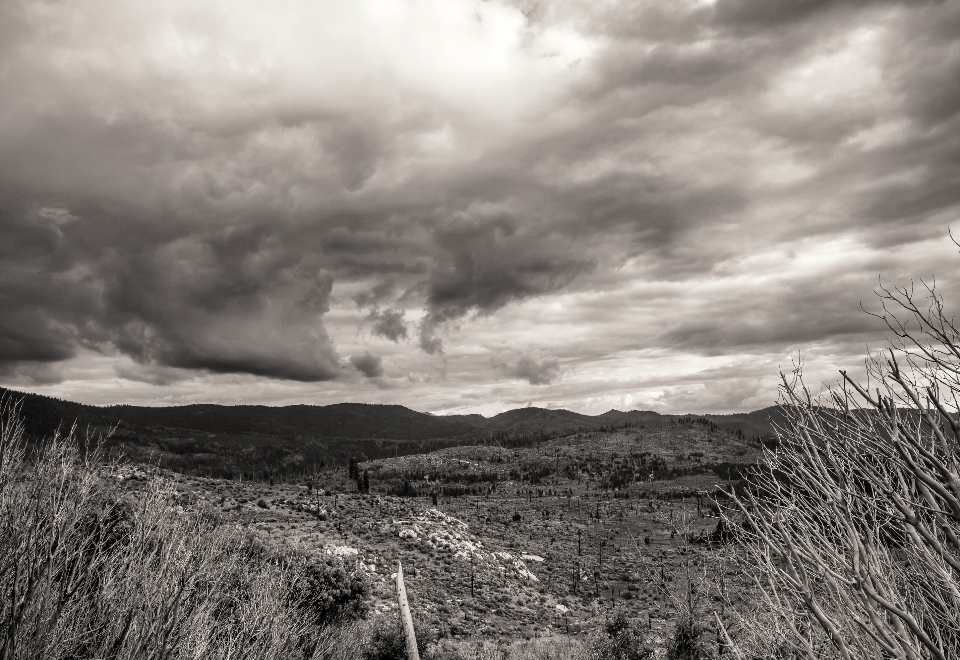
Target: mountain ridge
(44, 415)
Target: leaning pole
(405, 619)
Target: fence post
(405, 618)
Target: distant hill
(341, 420)
(759, 423)
(44, 415)
(214, 439)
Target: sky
(467, 206)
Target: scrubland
(105, 558)
(683, 540)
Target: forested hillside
(265, 442)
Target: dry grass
(553, 647)
(86, 576)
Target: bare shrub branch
(855, 518)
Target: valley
(511, 543)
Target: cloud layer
(450, 204)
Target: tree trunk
(405, 619)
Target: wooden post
(405, 619)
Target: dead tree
(409, 636)
(855, 519)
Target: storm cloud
(388, 324)
(224, 199)
(369, 365)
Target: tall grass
(84, 574)
(552, 647)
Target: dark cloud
(671, 176)
(428, 333)
(388, 324)
(44, 293)
(30, 374)
(744, 56)
(489, 263)
(369, 365)
(341, 240)
(772, 12)
(235, 300)
(531, 369)
(376, 295)
(800, 311)
(151, 374)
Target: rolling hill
(216, 440)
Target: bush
(327, 592)
(687, 642)
(623, 641)
(550, 647)
(386, 640)
(855, 520)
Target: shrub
(855, 521)
(550, 647)
(687, 642)
(327, 591)
(386, 641)
(623, 641)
